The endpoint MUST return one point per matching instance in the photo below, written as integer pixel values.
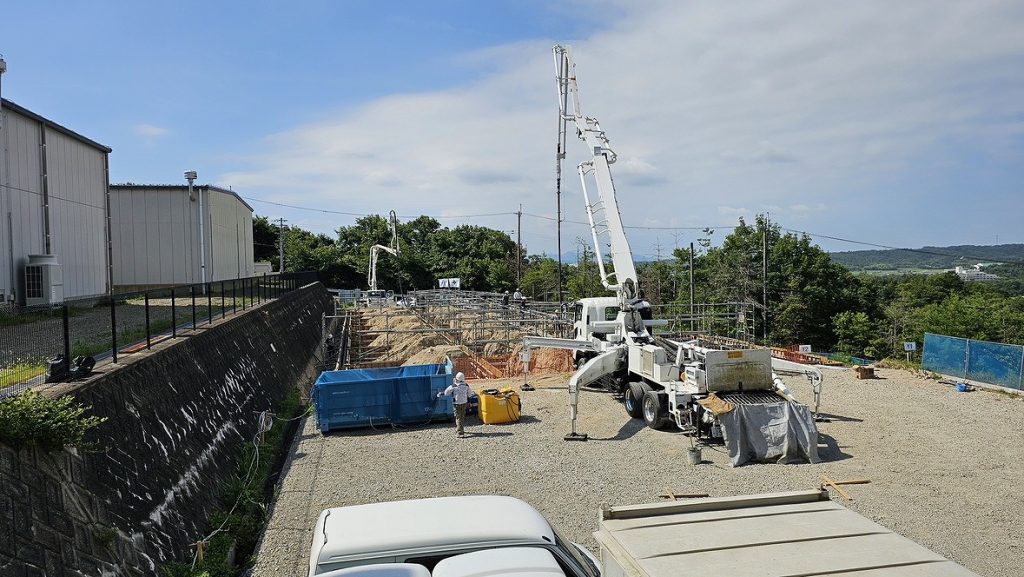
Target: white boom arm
(371, 274)
(605, 221)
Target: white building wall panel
(21, 231)
(50, 175)
(225, 245)
(76, 187)
(156, 235)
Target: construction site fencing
(444, 307)
(994, 363)
(52, 343)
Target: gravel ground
(945, 467)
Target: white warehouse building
(155, 235)
(53, 209)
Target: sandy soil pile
(542, 361)
(426, 348)
(436, 354)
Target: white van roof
(504, 562)
(364, 530)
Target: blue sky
(899, 124)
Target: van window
(611, 313)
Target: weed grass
(244, 502)
(21, 372)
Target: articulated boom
(605, 221)
(371, 274)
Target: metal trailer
(794, 533)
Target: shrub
(30, 419)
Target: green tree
(857, 333)
(540, 281)
(475, 254)
(584, 279)
(264, 240)
(805, 288)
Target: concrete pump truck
(733, 395)
(376, 296)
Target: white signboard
(805, 348)
(452, 283)
(910, 347)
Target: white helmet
(460, 378)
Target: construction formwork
(481, 322)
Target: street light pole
(191, 176)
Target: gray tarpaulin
(779, 432)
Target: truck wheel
(633, 399)
(655, 414)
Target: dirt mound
(542, 361)
(436, 354)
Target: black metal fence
(46, 344)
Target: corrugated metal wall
(77, 184)
(155, 235)
(76, 180)
(232, 237)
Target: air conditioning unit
(44, 281)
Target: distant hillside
(929, 257)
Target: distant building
(155, 235)
(974, 274)
(53, 208)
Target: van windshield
(582, 560)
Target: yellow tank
(497, 407)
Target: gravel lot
(945, 467)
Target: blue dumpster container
(365, 397)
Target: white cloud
(710, 106)
(150, 131)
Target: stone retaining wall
(176, 420)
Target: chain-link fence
(62, 342)
(993, 363)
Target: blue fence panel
(994, 363)
(946, 355)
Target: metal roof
(8, 105)
(183, 187)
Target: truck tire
(633, 399)
(654, 411)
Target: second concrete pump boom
(371, 274)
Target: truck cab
(437, 533)
(378, 298)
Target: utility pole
(519, 247)
(657, 267)
(691, 287)
(764, 280)
(280, 243)
(563, 90)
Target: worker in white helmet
(459, 391)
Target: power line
(886, 247)
(632, 227)
(52, 197)
(343, 213)
(635, 227)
